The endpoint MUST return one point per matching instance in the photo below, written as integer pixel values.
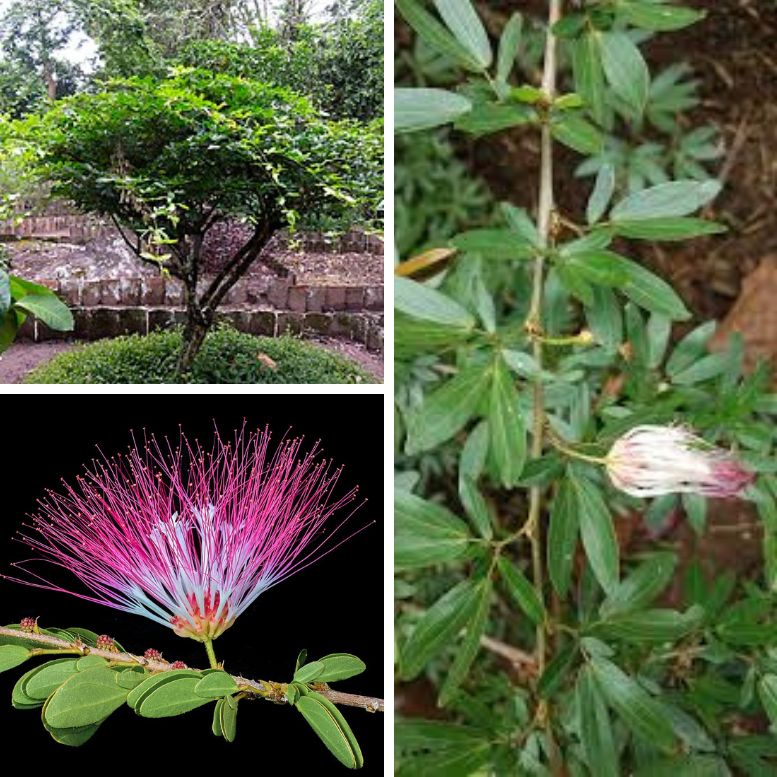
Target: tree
(166, 160)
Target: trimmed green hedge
(227, 356)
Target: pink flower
(187, 538)
(654, 460)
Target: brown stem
(266, 689)
(534, 324)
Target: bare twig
(266, 689)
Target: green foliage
(520, 358)
(227, 356)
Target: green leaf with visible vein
(596, 733)
(418, 109)
(12, 656)
(521, 590)
(462, 20)
(638, 710)
(597, 532)
(446, 410)
(625, 69)
(325, 719)
(437, 627)
(562, 537)
(506, 426)
(84, 699)
(426, 533)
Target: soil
(24, 356)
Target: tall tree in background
(292, 15)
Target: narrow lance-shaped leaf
(325, 723)
(601, 194)
(506, 425)
(426, 533)
(521, 590)
(638, 710)
(417, 109)
(462, 20)
(439, 624)
(562, 537)
(596, 733)
(471, 642)
(625, 69)
(446, 409)
(642, 586)
(597, 532)
(508, 47)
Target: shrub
(227, 356)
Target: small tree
(166, 160)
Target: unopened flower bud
(152, 655)
(104, 642)
(654, 460)
(28, 624)
(178, 665)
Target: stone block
(315, 298)
(173, 292)
(354, 298)
(320, 323)
(297, 299)
(130, 291)
(110, 293)
(373, 298)
(290, 324)
(278, 294)
(375, 339)
(70, 291)
(334, 298)
(133, 321)
(260, 322)
(153, 290)
(237, 295)
(90, 294)
(160, 318)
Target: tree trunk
(197, 326)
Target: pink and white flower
(654, 460)
(185, 537)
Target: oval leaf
(215, 684)
(328, 729)
(84, 699)
(12, 655)
(171, 698)
(340, 666)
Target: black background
(335, 605)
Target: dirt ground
(24, 356)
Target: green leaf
(706, 368)
(326, 721)
(426, 304)
(84, 699)
(216, 725)
(46, 678)
(88, 662)
(309, 672)
(672, 199)
(509, 43)
(604, 317)
(521, 590)
(562, 537)
(19, 698)
(657, 16)
(556, 671)
(578, 134)
(340, 666)
(72, 737)
(48, 309)
(493, 244)
(596, 734)
(475, 506)
(597, 532)
(487, 118)
(302, 657)
(671, 228)
(215, 685)
(767, 693)
(433, 33)
(426, 533)
(228, 718)
(462, 20)
(437, 627)
(638, 710)
(469, 647)
(138, 694)
(690, 348)
(659, 625)
(625, 69)
(130, 678)
(589, 76)
(506, 426)
(12, 655)
(601, 194)
(5, 293)
(519, 221)
(446, 410)
(171, 698)
(642, 586)
(417, 109)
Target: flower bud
(654, 460)
(104, 642)
(178, 665)
(28, 624)
(152, 655)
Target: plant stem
(211, 654)
(534, 324)
(265, 689)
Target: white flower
(654, 460)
